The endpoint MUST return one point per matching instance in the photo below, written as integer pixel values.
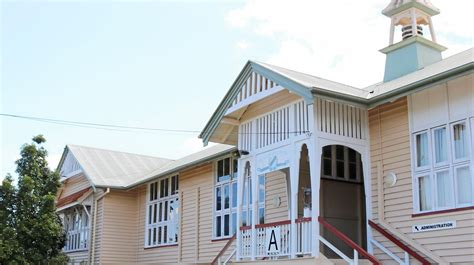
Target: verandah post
(314, 153)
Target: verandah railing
(76, 239)
(303, 246)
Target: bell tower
(414, 51)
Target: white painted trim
(254, 98)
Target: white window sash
(160, 237)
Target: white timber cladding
(255, 84)
(70, 165)
(341, 119)
(274, 127)
(442, 146)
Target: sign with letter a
(273, 240)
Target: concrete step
(343, 262)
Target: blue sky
(167, 64)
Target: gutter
(92, 228)
(420, 85)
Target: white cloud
(190, 146)
(339, 40)
(243, 45)
(53, 160)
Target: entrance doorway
(342, 198)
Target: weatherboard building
(306, 170)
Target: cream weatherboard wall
(73, 185)
(164, 254)
(390, 152)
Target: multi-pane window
(76, 226)
(162, 212)
(442, 167)
(225, 198)
(342, 163)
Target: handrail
(348, 241)
(398, 243)
(223, 250)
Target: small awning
(71, 198)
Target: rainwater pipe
(93, 227)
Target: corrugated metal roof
(188, 161)
(442, 66)
(113, 168)
(314, 82)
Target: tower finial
(414, 51)
(411, 15)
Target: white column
(414, 29)
(294, 177)
(254, 188)
(365, 159)
(392, 31)
(240, 193)
(314, 153)
(432, 32)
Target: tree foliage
(30, 229)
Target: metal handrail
(398, 243)
(348, 242)
(223, 250)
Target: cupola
(414, 50)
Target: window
(225, 198)
(446, 180)
(76, 227)
(342, 163)
(162, 212)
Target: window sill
(75, 250)
(443, 211)
(221, 239)
(161, 246)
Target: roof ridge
(116, 151)
(305, 73)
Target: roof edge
(174, 170)
(429, 81)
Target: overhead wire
(121, 128)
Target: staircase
(227, 254)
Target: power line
(96, 125)
(122, 128)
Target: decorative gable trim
(236, 88)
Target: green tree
(31, 230)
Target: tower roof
(397, 6)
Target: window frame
(76, 233)
(358, 163)
(233, 175)
(450, 165)
(165, 211)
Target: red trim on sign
(71, 198)
(398, 243)
(443, 211)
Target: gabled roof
(302, 84)
(107, 168)
(189, 161)
(307, 86)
